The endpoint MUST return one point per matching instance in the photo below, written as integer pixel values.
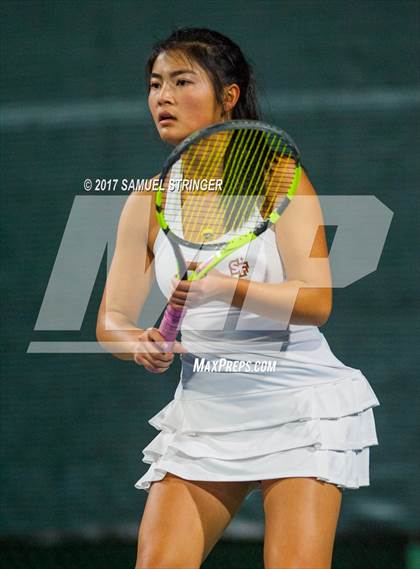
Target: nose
(165, 94)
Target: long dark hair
(221, 58)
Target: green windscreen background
(342, 78)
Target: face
(181, 97)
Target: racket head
(226, 181)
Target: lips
(164, 116)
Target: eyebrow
(174, 73)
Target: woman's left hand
(213, 286)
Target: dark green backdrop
(342, 78)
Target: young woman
(300, 434)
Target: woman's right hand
(148, 351)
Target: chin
(172, 140)
(170, 137)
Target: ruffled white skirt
(322, 430)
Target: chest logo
(239, 267)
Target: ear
(230, 97)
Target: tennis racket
(219, 189)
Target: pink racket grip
(171, 322)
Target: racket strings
(256, 186)
(235, 186)
(247, 173)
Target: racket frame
(173, 316)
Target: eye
(154, 85)
(182, 82)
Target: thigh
(184, 519)
(301, 517)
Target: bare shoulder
(303, 208)
(138, 219)
(305, 187)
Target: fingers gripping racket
(221, 188)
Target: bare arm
(129, 280)
(306, 295)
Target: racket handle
(171, 322)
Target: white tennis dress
(311, 417)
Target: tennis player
(299, 433)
